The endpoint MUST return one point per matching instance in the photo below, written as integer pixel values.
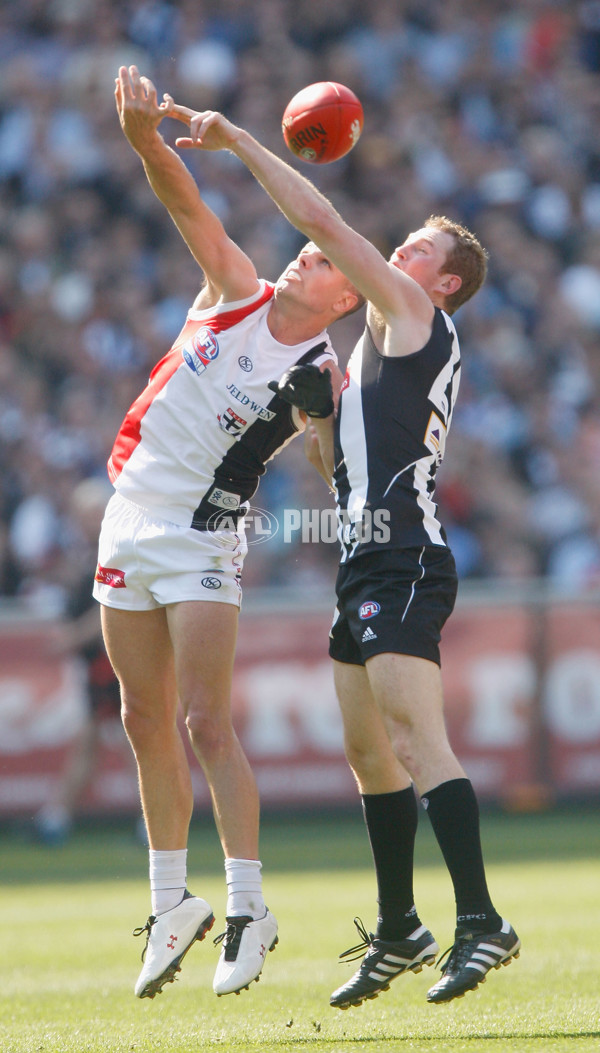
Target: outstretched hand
(209, 130)
(139, 111)
(307, 388)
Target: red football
(322, 122)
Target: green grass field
(68, 961)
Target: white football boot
(169, 938)
(245, 945)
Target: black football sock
(392, 820)
(454, 814)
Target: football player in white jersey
(185, 463)
(394, 411)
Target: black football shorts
(396, 601)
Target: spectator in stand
(496, 111)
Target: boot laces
(456, 955)
(147, 928)
(353, 953)
(232, 936)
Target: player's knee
(140, 722)
(211, 736)
(363, 760)
(406, 742)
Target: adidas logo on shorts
(368, 635)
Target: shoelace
(232, 936)
(359, 950)
(457, 955)
(145, 928)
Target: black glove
(307, 388)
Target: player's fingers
(134, 76)
(197, 127)
(184, 143)
(200, 125)
(181, 113)
(149, 90)
(125, 83)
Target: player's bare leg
(408, 692)
(139, 647)
(204, 638)
(366, 741)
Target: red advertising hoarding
(522, 687)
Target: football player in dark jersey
(396, 587)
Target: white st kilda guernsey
(393, 418)
(194, 444)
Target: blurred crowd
(485, 110)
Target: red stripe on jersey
(222, 320)
(225, 319)
(130, 432)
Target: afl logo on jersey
(245, 363)
(201, 350)
(369, 610)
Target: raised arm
(393, 293)
(229, 273)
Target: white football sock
(244, 888)
(168, 871)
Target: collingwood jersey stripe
(390, 439)
(352, 471)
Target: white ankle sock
(168, 871)
(244, 888)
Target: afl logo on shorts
(369, 610)
(211, 583)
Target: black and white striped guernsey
(393, 418)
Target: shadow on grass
(289, 842)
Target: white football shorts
(145, 562)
